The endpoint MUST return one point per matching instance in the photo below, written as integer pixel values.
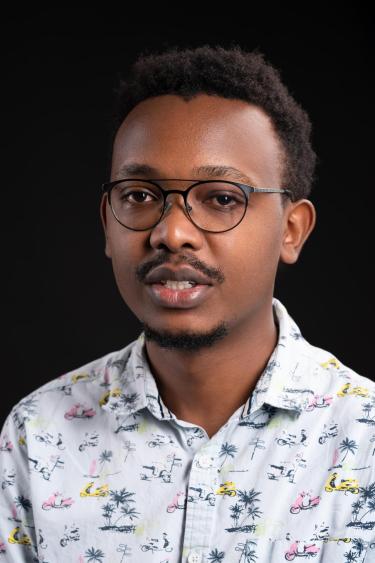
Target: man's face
(174, 137)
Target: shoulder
(85, 382)
(348, 396)
(326, 366)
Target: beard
(185, 340)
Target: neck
(207, 387)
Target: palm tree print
(248, 555)
(23, 502)
(105, 457)
(350, 556)
(367, 408)
(247, 499)
(129, 401)
(216, 556)
(93, 554)
(227, 450)
(347, 446)
(365, 502)
(358, 545)
(236, 511)
(120, 500)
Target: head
(175, 113)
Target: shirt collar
(131, 386)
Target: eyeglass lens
(213, 206)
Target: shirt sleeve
(17, 530)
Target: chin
(185, 339)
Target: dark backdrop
(62, 305)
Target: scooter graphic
(301, 549)
(304, 501)
(69, 535)
(79, 411)
(331, 432)
(52, 502)
(350, 485)
(90, 440)
(14, 537)
(319, 401)
(178, 502)
(101, 491)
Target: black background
(59, 69)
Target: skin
(230, 337)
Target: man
(220, 433)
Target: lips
(164, 273)
(162, 296)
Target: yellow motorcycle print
(77, 377)
(359, 391)
(344, 540)
(350, 485)
(101, 491)
(105, 397)
(227, 488)
(14, 537)
(331, 362)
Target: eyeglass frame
(106, 187)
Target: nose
(174, 230)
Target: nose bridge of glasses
(175, 196)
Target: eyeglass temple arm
(274, 190)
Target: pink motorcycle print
(79, 411)
(301, 549)
(304, 501)
(6, 445)
(52, 502)
(319, 401)
(179, 501)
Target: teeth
(172, 284)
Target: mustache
(212, 273)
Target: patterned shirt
(95, 467)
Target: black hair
(232, 73)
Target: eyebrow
(208, 170)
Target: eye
(223, 201)
(224, 198)
(137, 196)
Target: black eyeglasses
(211, 205)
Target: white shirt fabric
(95, 467)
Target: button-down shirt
(95, 467)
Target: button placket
(200, 509)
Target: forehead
(177, 137)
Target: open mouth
(173, 294)
(172, 284)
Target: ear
(103, 215)
(300, 219)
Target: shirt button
(194, 557)
(204, 461)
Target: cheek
(126, 250)
(250, 258)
